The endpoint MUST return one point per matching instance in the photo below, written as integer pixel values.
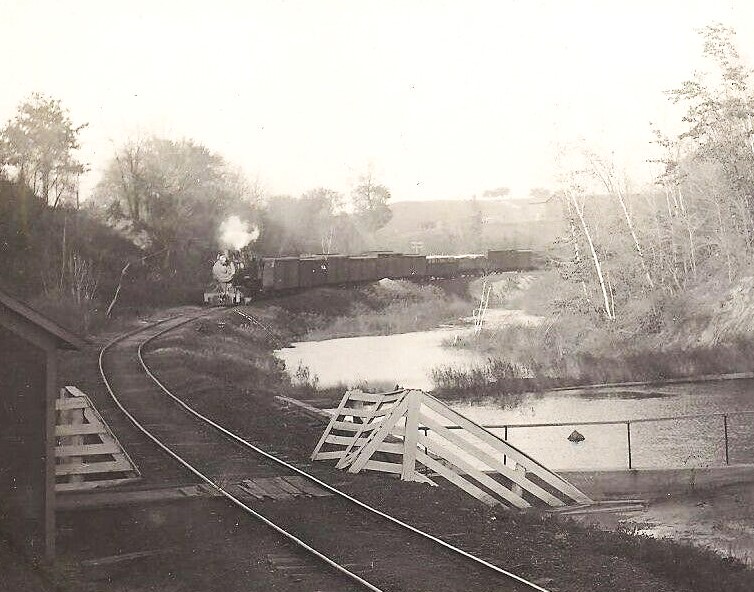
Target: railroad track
(359, 546)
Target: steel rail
(323, 484)
(229, 496)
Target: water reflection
(406, 358)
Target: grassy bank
(704, 331)
(382, 308)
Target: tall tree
(308, 224)
(38, 147)
(370, 202)
(171, 196)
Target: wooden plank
(316, 411)
(75, 391)
(348, 426)
(268, 485)
(353, 447)
(71, 403)
(378, 436)
(609, 510)
(391, 447)
(78, 430)
(306, 486)
(287, 487)
(517, 488)
(505, 493)
(250, 487)
(385, 467)
(352, 451)
(412, 435)
(86, 449)
(509, 450)
(329, 455)
(345, 440)
(74, 417)
(89, 485)
(91, 468)
(367, 412)
(121, 455)
(456, 479)
(492, 462)
(376, 397)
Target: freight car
(240, 276)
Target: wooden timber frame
(87, 453)
(29, 348)
(406, 433)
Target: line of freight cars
(241, 277)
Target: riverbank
(708, 330)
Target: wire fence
(685, 441)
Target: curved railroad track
(379, 553)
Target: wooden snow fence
(87, 453)
(414, 435)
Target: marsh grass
(382, 308)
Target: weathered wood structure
(29, 343)
(87, 453)
(414, 435)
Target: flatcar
(240, 276)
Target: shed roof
(19, 315)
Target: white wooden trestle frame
(368, 431)
(87, 453)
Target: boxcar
(312, 271)
(280, 273)
(502, 260)
(362, 269)
(469, 264)
(442, 266)
(337, 269)
(416, 265)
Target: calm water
(407, 359)
(687, 442)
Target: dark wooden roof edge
(65, 338)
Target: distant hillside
(464, 226)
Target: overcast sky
(444, 99)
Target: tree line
(626, 249)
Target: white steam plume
(235, 233)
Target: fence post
(628, 437)
(505, 437)
(725, 428)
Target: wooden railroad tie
(87, 453)
(407, 433)
(281, 488)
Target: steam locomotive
(240, 276)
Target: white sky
(444, 98)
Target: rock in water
(576, 436)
